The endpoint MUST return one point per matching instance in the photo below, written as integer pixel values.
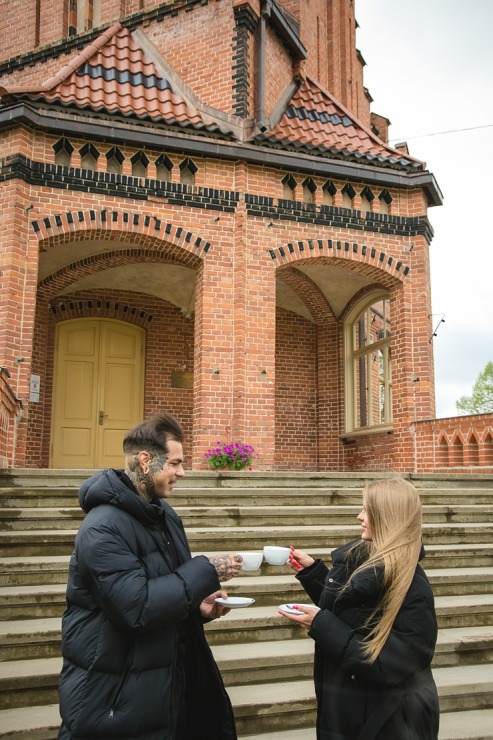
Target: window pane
(372, 384)
(361, 392)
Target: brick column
(18, 269)
(234, 389)
(330, 394)
(412, 359)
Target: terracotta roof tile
(114, 75)
(314, 121)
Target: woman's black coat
(394, 698)
(120, 630)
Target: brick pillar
(234, 389)
(412, 361)
(18, 268)
(330, 393)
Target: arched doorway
(98, 391)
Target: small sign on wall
(181, 379)
(34, 388)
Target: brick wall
(462, 444)
(279, 64)
(296, 407)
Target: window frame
(351, 379)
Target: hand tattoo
(225, 567)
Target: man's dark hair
(152, 435)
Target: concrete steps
(474, 725)
(474, 589)
(246, 663)
(205, 539)
(266, 661)
(37, 569)
(42, 722)
(57, 518)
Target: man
(136, 662)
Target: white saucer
(235, 602)
(288, 608)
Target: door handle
(102, 416)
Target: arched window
(368, 366)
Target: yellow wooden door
(98, 391)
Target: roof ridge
(70, 67)
(83, 56)
(354, 119)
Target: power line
(439, 133)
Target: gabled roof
(114, 75)
(122, 73)
(314, 122)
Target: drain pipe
(260, 71)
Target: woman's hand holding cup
(298, 559)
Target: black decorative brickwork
(309, 213)
(122, 186)
(333, 249)
(246, 23)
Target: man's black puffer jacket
(125, 603)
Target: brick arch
(60, 280)
(368, 290)
(147, 231)
(327, 251)
(67, 308)
(309, 292)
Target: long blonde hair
(394, 514)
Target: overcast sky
(429, 69)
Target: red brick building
(200, 213)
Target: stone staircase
(265, 660)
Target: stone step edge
(462, 547)
(466, 725)
(344, 530)
(283, 579)
(443, 604)
(245, 656)
(183, 509)
(229, 657)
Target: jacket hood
(107, 487)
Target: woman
(375, 626)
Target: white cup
(251, 560)
(276, 555)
